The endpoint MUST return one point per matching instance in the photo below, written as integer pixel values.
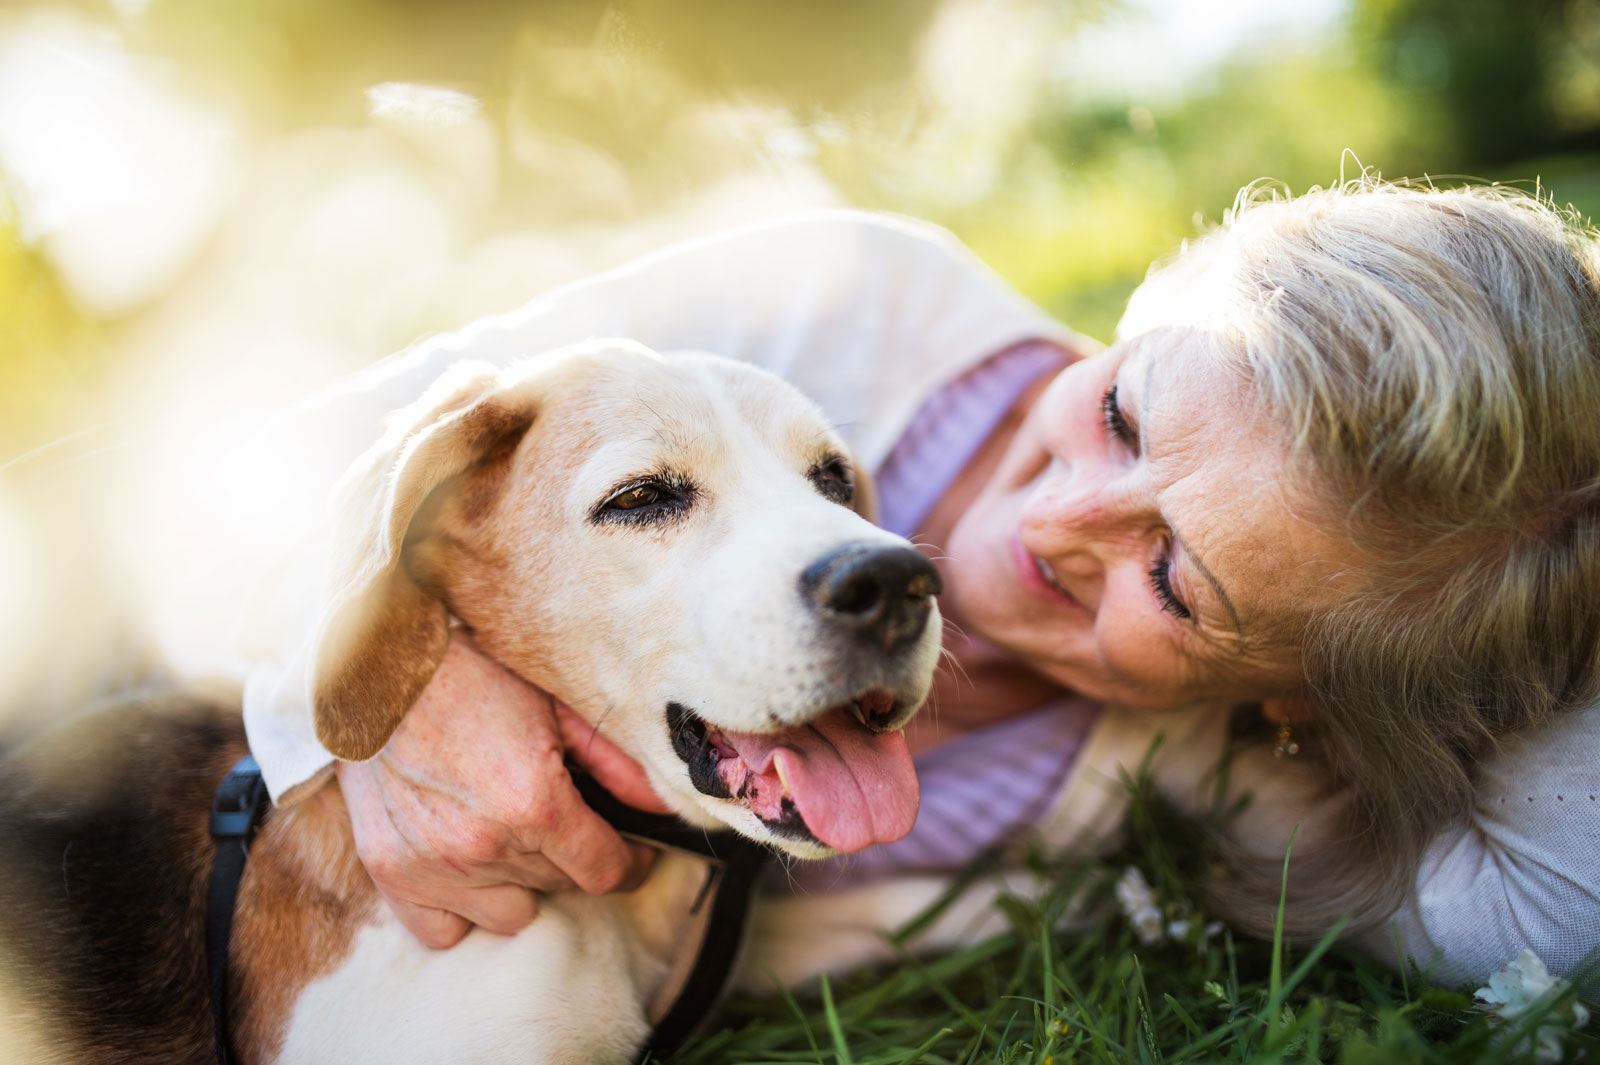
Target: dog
(674, 545)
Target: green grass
(1042, 995)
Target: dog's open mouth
(839, 780)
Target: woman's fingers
(436, 928)
(605, 761)
(503, 909)
(585, 847)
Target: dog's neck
(304, 869)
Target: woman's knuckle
(542, 753)
(442, 934)
(518, 797)
(537, 817)
(481, 844)
(607, 878)
(382, 862)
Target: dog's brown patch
(303, 898)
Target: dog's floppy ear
(382, 636)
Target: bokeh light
(207, 211)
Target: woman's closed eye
(1160, 571)
(1161, 582)
(1116, 424)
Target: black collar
(241, 803)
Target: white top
(869, 315)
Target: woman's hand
(470, 806)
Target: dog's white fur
(486, 502)
(574, 986)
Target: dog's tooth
(778, 765)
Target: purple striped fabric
(950, 427)
(984, 787)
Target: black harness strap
(740, 862)
(236, 813)
(241, 801)
(719, 950)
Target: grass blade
(1275, 979)
(840, 1048)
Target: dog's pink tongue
(854, 787)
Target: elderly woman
(1331, 503)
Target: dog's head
(673, 545)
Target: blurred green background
(1068, 143)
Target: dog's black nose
(881, 594)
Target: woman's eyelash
(1161, 569)
(1161, 581)
(1116, 424)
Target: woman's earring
(1285, 743)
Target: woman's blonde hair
(1433, 358)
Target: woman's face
(1143, 539)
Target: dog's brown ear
(865, 500)
(382, 636)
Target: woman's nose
(1084, 510)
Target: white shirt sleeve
(868, 314)
(1524, 871)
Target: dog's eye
(835, 480)
(645, 501)
(641, 496)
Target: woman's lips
(1036, 577)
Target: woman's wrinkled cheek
(1141, 671)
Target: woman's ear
(382, 635)
(1289, 709)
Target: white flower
(1515, 988)
(1139, 906)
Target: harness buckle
(239, 803)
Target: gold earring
(1285, 743)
